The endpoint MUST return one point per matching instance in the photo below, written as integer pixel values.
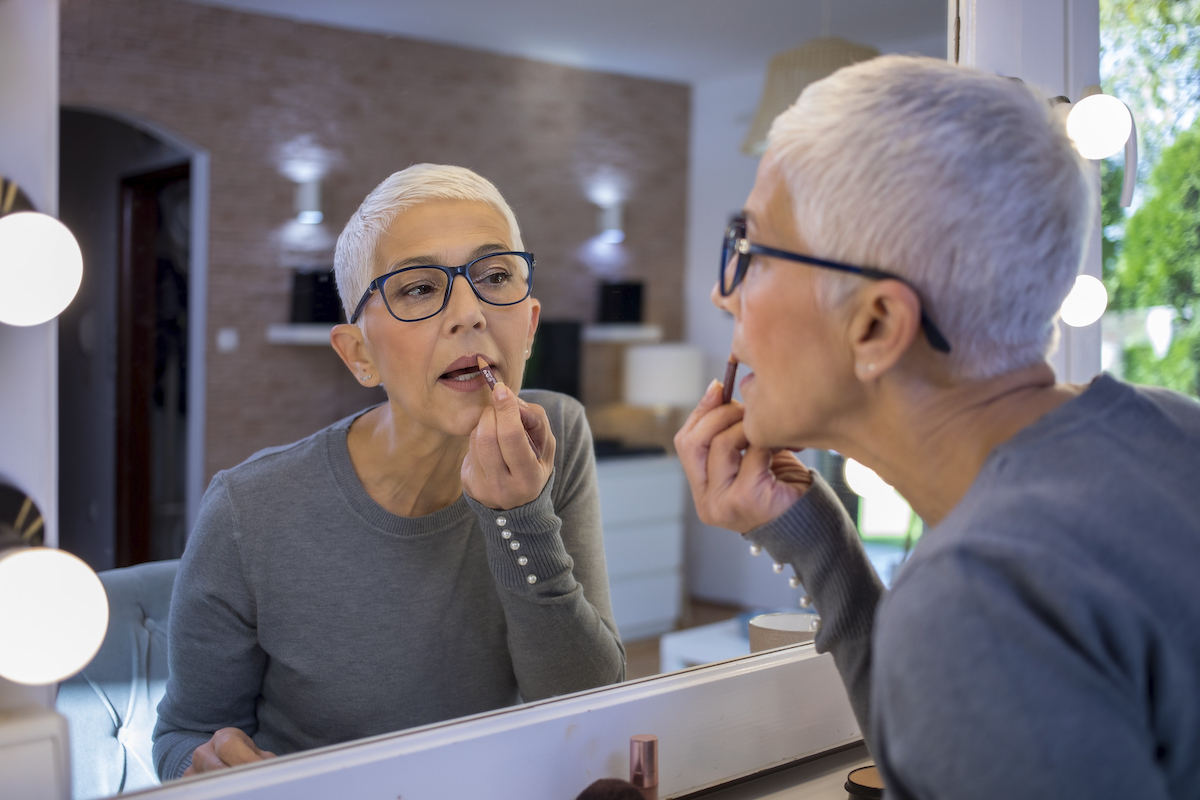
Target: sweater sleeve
(216, 663)
(547, 558)
(817, 537)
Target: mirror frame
(780, 706)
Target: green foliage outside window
(1151, 60)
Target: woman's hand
(228, 747)
(502, 470)
(735, 485)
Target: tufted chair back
(112, 705)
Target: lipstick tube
(643, 764)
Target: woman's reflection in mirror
(418, 560)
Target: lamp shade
(664, 375)
(787, 75)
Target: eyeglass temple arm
(936, 340)
(366, 296)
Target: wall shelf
(623, 333)
(311, 334)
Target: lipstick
(730, 376)
(643, 764)
(491, 382)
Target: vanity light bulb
(56, 615)
(1086, 302)
(1099, 125)
(41, 268)
(863, 481)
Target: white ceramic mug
(768, 631)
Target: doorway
(128, 354)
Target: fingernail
(501, 391)
(711, 386)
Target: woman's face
(796, 350)
(418, 362)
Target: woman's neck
(930, 442)
(407, 468)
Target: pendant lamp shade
(787, 75)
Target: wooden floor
(641, 657)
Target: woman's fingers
(513, 449)
(228, 747)
(710, 400)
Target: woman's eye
(495, 277)
(416, 289)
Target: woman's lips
(745, 382)
(466, 381)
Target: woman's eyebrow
(434, 261)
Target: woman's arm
(216, 664)
(817, 537)
(779, 505)
(554, 584)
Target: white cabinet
(641, 506)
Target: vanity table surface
(820, 779)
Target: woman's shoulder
(297, 461)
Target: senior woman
(1043, 640)
(436, 555)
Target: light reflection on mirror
(205, 141)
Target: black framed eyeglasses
(737, 250)
(412, 294)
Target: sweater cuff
(818, 538)
(525, 548)
(173, 753)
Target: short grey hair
(963, 183)
(354, 261)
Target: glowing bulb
(1099, 125)
(1086, 302)
(40, 268)
(1158, 329)
(865, 482)
(55, 615)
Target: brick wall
(243, 86)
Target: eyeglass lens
(420, 292)
(733, 263)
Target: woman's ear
(884, 323)
(535, 316)
(348, 341)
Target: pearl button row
(514, 545)
(794, 581)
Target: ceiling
(675, 40)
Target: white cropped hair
(354, 261)
(963, 183)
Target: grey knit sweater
(1043, 641)
(305, 614)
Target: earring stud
(366, 377)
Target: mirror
(211, 154)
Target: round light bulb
(40, 268)
(865, 482)
(55, 615)
(1086, 302)
(1099, 125)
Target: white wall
(29, 155)
(29, 356)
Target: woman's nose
(464, 310)
(722, 302)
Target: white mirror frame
(715, 724)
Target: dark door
(151, 366)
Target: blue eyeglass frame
(735, 242)
(451, 274)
